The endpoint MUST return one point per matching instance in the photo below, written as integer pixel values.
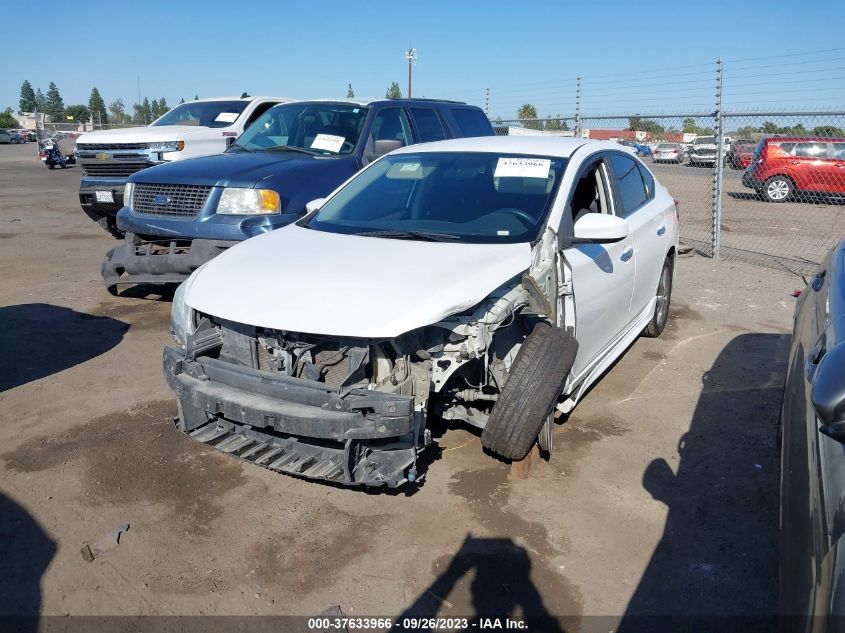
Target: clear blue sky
(632, 55)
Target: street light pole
(411, 56)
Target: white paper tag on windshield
(522, 168)
(226, 117)
(328, 142)
(409, 167)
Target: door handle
(627, 254)
(661, 231)
(795, 162)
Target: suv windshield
(705, 140)
(204, 113)
(316, 128)
(446, 196)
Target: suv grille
(183, 201)
(110, 146)
(113, 169)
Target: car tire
(528, 398)
(664, 298)
(777, 189)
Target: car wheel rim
(778, 189)
(663, 289)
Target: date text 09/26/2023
(411, 624)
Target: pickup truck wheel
(664, 297)
(777, 189)
(535, 381)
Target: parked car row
(11, 136)
(351, 267)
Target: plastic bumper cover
(160, 261)
(297, 426)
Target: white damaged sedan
(488, 281)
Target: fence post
(487, 103)
(578, 107)
(719, 165)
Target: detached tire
(534, 383)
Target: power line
(816, 52)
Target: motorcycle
(52, 156)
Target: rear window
(428, 124)
(472, 122)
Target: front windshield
(705, 140)
(204, 113)
(485, 198)
(316, 128)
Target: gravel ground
(660, 497)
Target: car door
(647, 221)
(807, 165)
(602, 274)
(832, 169)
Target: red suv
(783, 166)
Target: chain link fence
(776, 197)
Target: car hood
(302, 280)
(233, 169)
(149, 134)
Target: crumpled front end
(300, 405)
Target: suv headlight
(127, 194)
(168, 146)
(181, 317)
(242, 201)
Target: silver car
(668, 153)
(812, 437)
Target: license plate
(105, 196)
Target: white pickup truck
(195, 128)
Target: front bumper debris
(158, 261)
(297, 426)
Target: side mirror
(828, 393)
(314, 205)
(600, 228)
(380, 148)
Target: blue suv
(180, 215)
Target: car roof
(369, 102)
(234, 98)
(805, 139)
(560, 146)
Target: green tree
(118, 110)
(828, 130)
(769, 127)
(27, 102)
(689, 126)
(55, 107)
(7, 120)
(154, 111)
(78, 113)
(162, 106)
(350, 94)
(556, 124)
(394, 92)
(527, 113)
(40, 101)
(747, 131)
(138, 114)
(147, 111)
(97, 107)
(645, 125)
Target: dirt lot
(660, 498)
